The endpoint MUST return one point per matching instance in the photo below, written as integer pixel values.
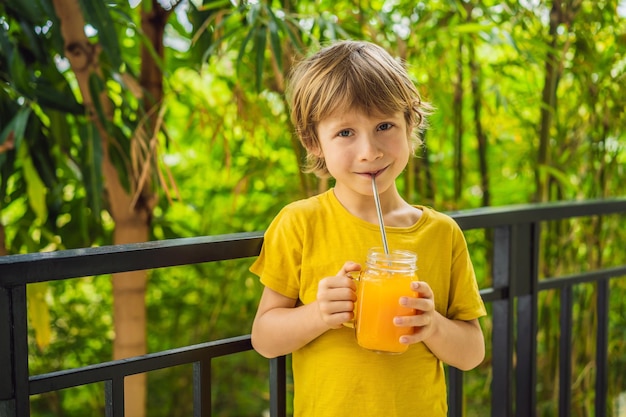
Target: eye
(344, 133)
(385, 126)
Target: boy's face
(356, 145)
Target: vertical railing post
(502, 333)
(565, 352)
(7, 377)
(114, 397)
(278, 387)
(14, 393)
(455, 392)
(202, 388)
(524, 283)
(602, 347)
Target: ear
(314, 148)
(316, 151)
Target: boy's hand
(336, 296)
(424, 319)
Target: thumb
(348, 267)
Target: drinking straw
(380, 215)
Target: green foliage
(579, 246)
(206, 302)
(81, 326)
(230, 162)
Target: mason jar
(385, 278)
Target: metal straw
(380, 215)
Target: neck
(364, 206)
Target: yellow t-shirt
(311, 239)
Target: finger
(344, 293)
(422, 288)
(420, 304)
(336, 313)
(419, 320)
(340, 307)
(412, 338)
(338, 319)
(336, 289)
(348, 267)
(338, 283)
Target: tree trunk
(458, 126)
(478, 126)
(428, 189)
(3, 241)
(131, 216)
(548, 104)
(153, 20)
(562, 12)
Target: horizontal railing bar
(105, 371)
(487, 217)
(73, 263)
(582, 278)
(492, 294)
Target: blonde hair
(351, 75)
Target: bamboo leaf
(35, 189)
(119, 149)
(5, 42)
(214, 5)
(253, 14)
(558, 174)
(16, 127)
(19, 73)
(48, 96)
(96, 87)
(242, 49)
(39, 313)
(252, 19)
(30, 41)
(92, 169)
(41, 154)
(286, 25)
(274, 27)
(27, 10)
(211, 50)
(260, 41)
(472, 27)
(97, 14)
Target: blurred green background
(185, 100)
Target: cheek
(336, 161)
(402, 153)
(332, 161)
(405, 146)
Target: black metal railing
(513, 296)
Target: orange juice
(378, 302)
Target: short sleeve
(465, 300)
(280, 261)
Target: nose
(369, 149)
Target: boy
(358, 115)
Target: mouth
(374, 174)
